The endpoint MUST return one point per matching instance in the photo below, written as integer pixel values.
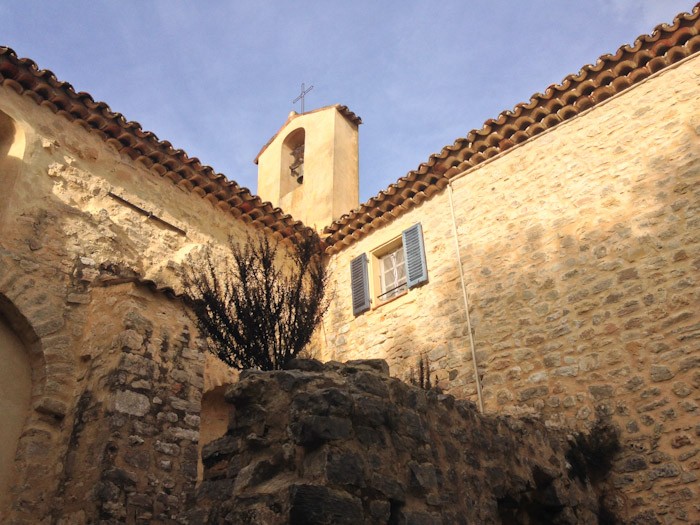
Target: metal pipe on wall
(465, 296)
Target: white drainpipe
(487, 161)
(465, 295)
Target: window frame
(376, 255)
(366, 270)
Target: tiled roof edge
(594, 83)
(41, 85)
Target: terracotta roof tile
(594, 83)
(41, 85)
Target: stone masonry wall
(581, 255)
(133, 444)
(126, 449)
(63, 237)
(347, 444)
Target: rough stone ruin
(347, 444)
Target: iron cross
(302, 95)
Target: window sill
(379, 304)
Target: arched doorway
(15, 397)
(214, 419)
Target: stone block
(120, 477)
(380, 511)
(129, 339)
(78, 298)
(660, 373)
(184, 405)
(313, 430)
(600, 392)
(634, 464)
(306, 365)
(137, 365)
(369, 436)
(410, 424)
(317, 505)
(532, 392)
(423, 476)
(182, 433)
(254, 474)
(371, 383)
(45, 327)
(224, 446)
(667, 470)
(627, 274)
(369, 411)
(181, 376)
(408, 517)
(131, 403)
(681, 440)
(170, 449)
(52, 407)
(344, 468)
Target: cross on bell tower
(301, 96)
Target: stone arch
(12, 147)
(38, 325)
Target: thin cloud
(217, 79)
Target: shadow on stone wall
(347, 444)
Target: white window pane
(392, 274)
(401, 272)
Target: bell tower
(310, 167)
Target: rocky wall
(347, 444)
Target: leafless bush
(262, 310)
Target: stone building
(547, 263)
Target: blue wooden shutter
(359, 281)
(416, 267)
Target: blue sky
(217, 78)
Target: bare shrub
(263, 309)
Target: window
(397, 267)
(392, 274)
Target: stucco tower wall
(331, 184)
(581, 254)
(346, 182)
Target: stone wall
(581, 256)
(77, 219)
(347, 444)
(132, 455)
